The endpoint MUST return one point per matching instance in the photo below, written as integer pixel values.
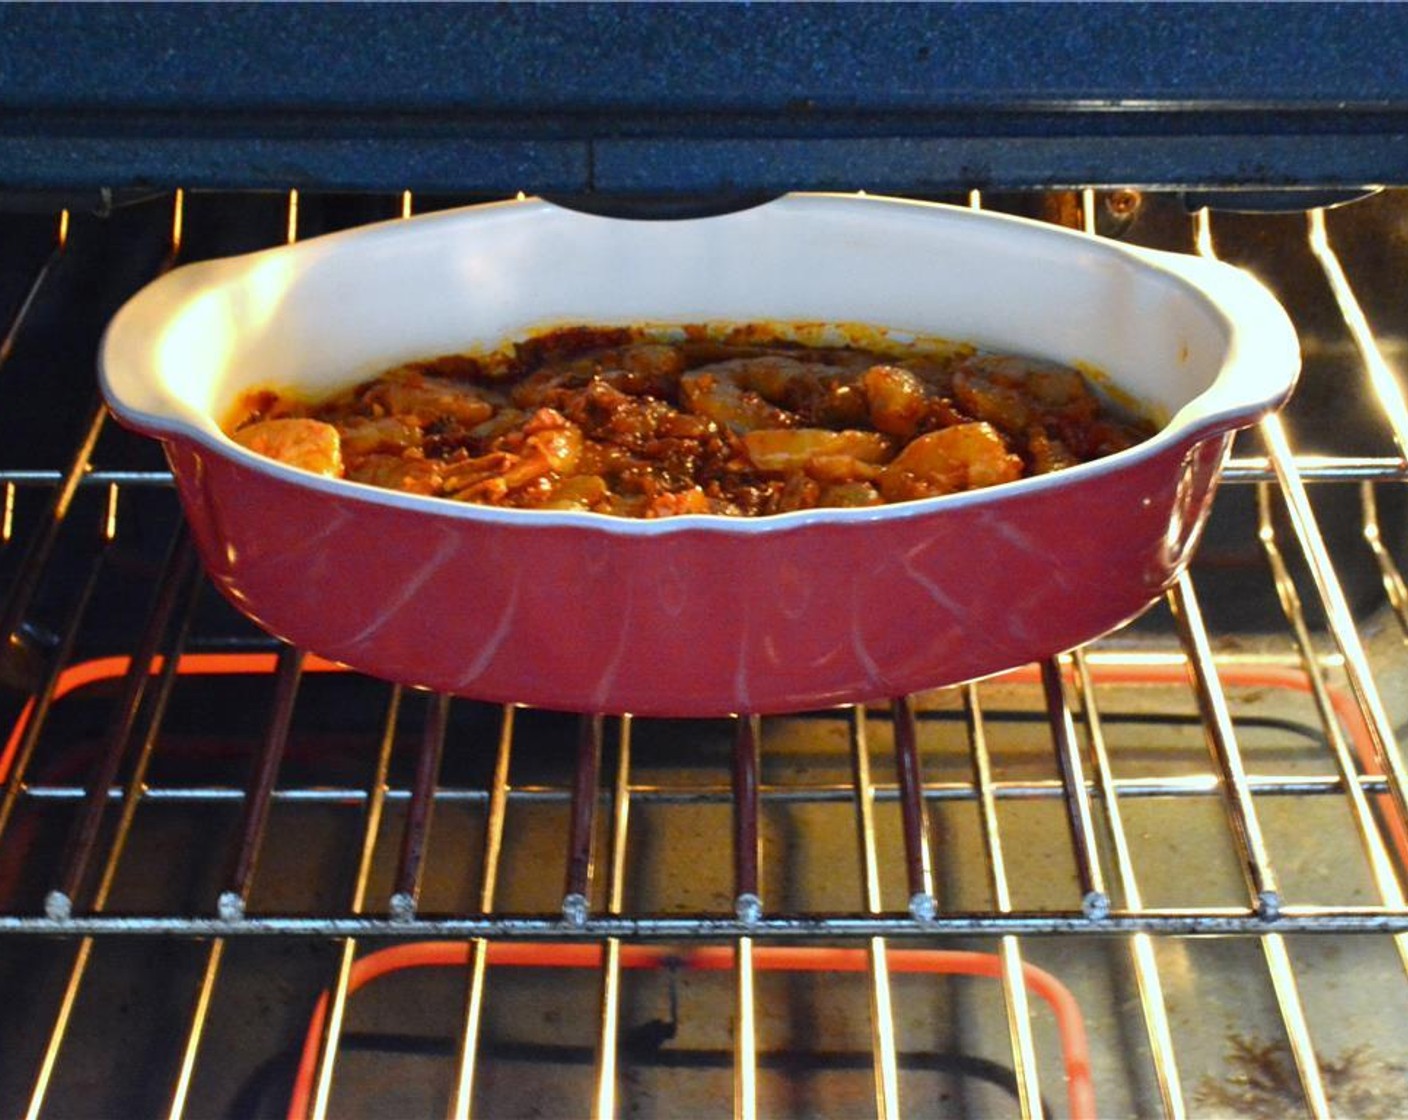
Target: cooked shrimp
(466, 475)
(850, 494)
(1048, 452)
(896, 398)
(309, 445)
(935, 371)
(964, 457)
(1013, 393)
(648, 367)
(840, 468)
(798, 492)
(1055, 386)
(552, 451)
(409, 392)
(365, 435)
(554, 439)
(770, 376)
(693, 500)
(408, 472)
(985, 392)
(551, 445)
(723, 393)
(581, 491)
(795, 449)
(502, 422)
(773, 391)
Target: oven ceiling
(711, 98)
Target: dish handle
(1262, 359)
(144, 354)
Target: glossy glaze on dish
(695, 622)
(698, 614)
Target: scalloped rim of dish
(1185, 426)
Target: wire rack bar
(43, 700)
(205, 994)
(1014, 989)
(706, 926)
(463, 1102)
(1241, 810)
(1283, 979)
(581, 833)
(1222, 744)
(1318, 468)
(177, 570)
(259, 796)
(371, 827)
(1146, 971)
(33, 565)
(745, 1044)
(1095, 901)
(21, 316)
(405, 896)
(1182, 786)
(1386, 388)
(606, 1073)
(92, 476)
(748, 906)
(35, 562)
(7, 515)
(747, 838)
(1375, 850)
(1339, 615)
(882, 1019)
(1394, 586)
(914, 814)
(137, 781)
(83, 839)
(1246, 829)
(231, 904)
(1302, 516)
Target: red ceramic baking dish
(696, 615)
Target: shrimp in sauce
(310, 445)
(615, 421)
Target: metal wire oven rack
(167, 767)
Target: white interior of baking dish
(1195, 342)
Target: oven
(1162, 874)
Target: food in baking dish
(622, 421)
(698, 614)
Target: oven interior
(1220, 743)
(1162, 874)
